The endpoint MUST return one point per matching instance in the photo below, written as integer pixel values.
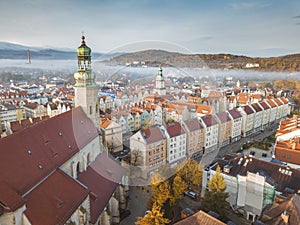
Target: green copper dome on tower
(83, 50)
(84, 76)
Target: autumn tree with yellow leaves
(178, 187)
(191, 172)
(215, 197)
(153, 217)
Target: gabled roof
(284, 100)
(200, 218)
(31, 154)
(256, 96)
(235, 113)
(248, 109)
(193, 124)
(209, 120)
(264, 105)
(175, 129)
(102, 178)
(152, 134)
(271, 103)
(54, 200)
(278, 102)
(256, 107)
(290, 207)
(223, 117)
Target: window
(91, 110)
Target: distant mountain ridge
(17, 51)
(289, 63)
(155, 57)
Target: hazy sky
(255, 27)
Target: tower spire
(84, 75)
(86, 90)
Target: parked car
(252, 153)
(190, 194)
(264, 154)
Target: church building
(55, 171)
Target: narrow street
(234, 147)
(136, 204)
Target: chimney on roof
(227, 168)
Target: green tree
(153, 217)
(215, 197)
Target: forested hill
(286, 63)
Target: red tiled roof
(243, 98)
(235, 113)
(284, 100)
(153, 134)
(10, 198)
(209, 120)
(248, 109)
(193, 124)
(204, 109)
(200, 218)
(54, 200)
(278, 102)
(272, 214)
(31, 154)
(223, 117)
(256, 107)
(175, 129)
(271, 103)
(102, 178)
(257, 96)
(264, 105)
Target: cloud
(249, 5)
(296, 17)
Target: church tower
(86, 90)
(160, 87)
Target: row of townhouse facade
(193, 137)
(137, 118)
(257, 116)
